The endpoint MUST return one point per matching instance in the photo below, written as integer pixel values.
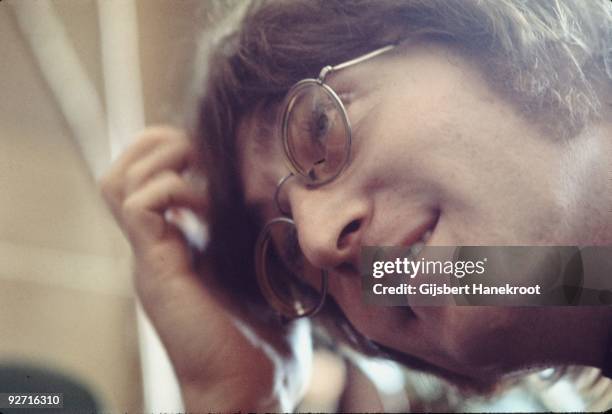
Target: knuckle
(184, 144)
(131, 207)
(171, 180)
(108, 187)
(178, 147)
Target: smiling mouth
(420, 236)
(416, 241)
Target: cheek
(510, 202)
(496, 218)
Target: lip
(417, 233)
(428, 224)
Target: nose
(330, 225)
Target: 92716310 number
(42, 400)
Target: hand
(224, 360)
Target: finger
(168, 189)
(173, 155)
(145, 141)
(113, 182)
(143, 211)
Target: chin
(472, 383)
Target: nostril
(352, 227)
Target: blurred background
(66, 300)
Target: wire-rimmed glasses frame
(318, 174)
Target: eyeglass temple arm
(328, 69)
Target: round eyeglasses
(293, 286)
(316, 136)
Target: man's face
(434, 149)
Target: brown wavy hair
(551, 59)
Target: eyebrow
(264, 134)
(265, 118)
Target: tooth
(410, 256)
(416, 248)
(426, 236)
(406, 253)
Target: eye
(316, 128)
(292, 257)
(320, 126)
(290, 252)
(316, 135)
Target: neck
(583, 336)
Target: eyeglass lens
(317, 139)
(288, 280)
